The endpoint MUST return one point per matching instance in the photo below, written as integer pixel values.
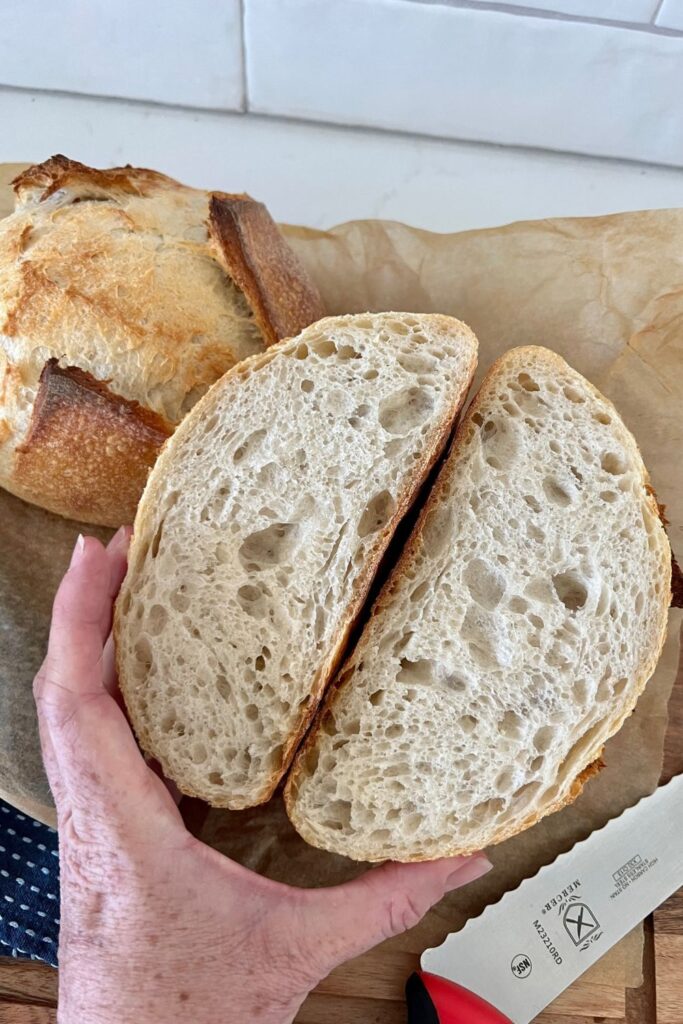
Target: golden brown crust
(676, 574)
(344, 678)
(60, 172)
(676, 583)
(115, 271)
(87, 450)
(661, 509)
(254, 254)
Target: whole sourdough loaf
(260, 531)
(123, 296)
(512, 639)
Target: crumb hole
(268, 547)
(527, 382)
(249, 445)
(555, 492)
(324, 348)
(571, 590)
(377, 513)
(573, 394)
(154, 550)
(485, 584)
(347, 352)
(405, 410)
(511, 725)
(543, 738)
(421, 671)
(613, 463)
(468, 723)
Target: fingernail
(79, 548)
(472, 869)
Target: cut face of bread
(260, 531)
(524, 618)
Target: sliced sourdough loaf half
(260, 531)
(512, 639)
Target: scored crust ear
(40, 181)
(251, 250)
(87, 450)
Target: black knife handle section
(433, 1000)
(421, 1009)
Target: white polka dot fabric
(29, 887)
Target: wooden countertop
(28, 991)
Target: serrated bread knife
(506, 965)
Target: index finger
(94, 750)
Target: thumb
(385, 902)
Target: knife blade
(521, 952)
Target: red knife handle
(433, 1000)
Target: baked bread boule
(123, 296)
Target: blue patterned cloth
(29, 887)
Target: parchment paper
(607, 294)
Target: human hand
(156, 926)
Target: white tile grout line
(337, 126)
(656, 14)
(649, 28)
(243, 46)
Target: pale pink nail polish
(470, 871)
(79, 548)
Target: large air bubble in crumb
(485, 583)
(405, 410)
(571, 589)
(377, 513)
(269, 547)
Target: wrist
(100, 991)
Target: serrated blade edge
(522, 951)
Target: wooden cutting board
(28, 991)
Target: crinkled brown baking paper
(604, 292)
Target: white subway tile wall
(594, 77)
(468, 74)
(671, 15)
(172, 52)
(320, 175)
